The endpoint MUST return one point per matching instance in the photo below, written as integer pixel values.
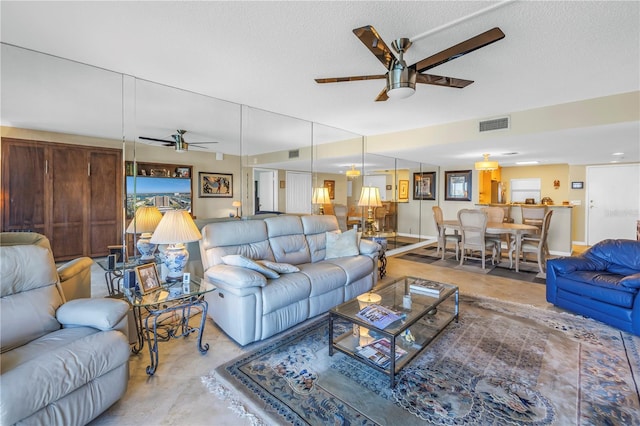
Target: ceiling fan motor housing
(401, 80)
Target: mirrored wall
(180, 149)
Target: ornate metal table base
(153, 331)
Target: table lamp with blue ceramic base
(175, 229)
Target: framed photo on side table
(215, 185)
(424, 186)
(457, 185)
(148, 278)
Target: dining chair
(443, 238)
(380, 215)
(496, 215)
(340, 211)
(533, 215)
(535, 244)
(473, 226)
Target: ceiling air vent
(494, 124)
(294, 153)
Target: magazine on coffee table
(379, 352)
(431, 288)
(378, 316)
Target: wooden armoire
(70, 193)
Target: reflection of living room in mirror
(145, 221)
(321, 197)
(237, 204)
(369, 198)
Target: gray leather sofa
(62, 363)
(248, 306)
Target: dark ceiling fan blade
(353, 78)
(382, 96)
(459, 49)
(442, 81)
(370, 38)
(156, 140)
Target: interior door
(266, 193)
(613, 202)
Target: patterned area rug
(528, 271)
(501, 364)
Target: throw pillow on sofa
(245, 262)
(281, 268)
(342, 244)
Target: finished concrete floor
(175, 395)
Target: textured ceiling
(267, 54)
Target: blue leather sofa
(603, 283)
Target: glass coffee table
(424, 314)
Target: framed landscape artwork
(215, 185)
(424, 186)
(457, 185)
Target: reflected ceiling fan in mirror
(402, 79)
(178, 141)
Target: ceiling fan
(178, 141)
(402, 79)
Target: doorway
(266, 192)
(612, 202)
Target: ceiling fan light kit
(402, 79)
(486, 165)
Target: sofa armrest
(75, 278)
(631, 281)
(235, 276)
(100, 313)
(567, 265)
(369, 247)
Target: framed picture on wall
(215, 185)
(424, 186)
(403, 191)
(457, 185)
(331, 186)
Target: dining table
(515, 229)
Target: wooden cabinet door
(105, 201)
(24, 189)
(70, 193)
(69, 179)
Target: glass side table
(113, 276)
(155, 312)
(381, 239)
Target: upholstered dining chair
(443, 238)
(533, 215)
(496, 215)
(340, 211)
(535, 244)
(473, 226)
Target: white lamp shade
(236, 204)
(176, 227)
(146, 220)
(321, 196)
(369, 197)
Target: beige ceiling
(267, 54)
